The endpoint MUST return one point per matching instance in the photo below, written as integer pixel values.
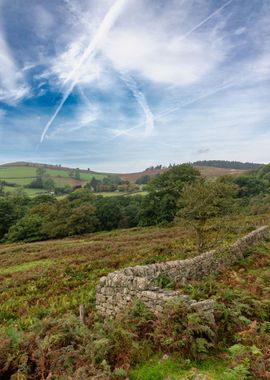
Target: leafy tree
(143, 180)
(250, 186)
(80, 196)
(204, 200)
(40, 172)
(49, 184)
(82, 220)
(77, 174)
(160, 205)
(108, 213)
(1, 188)
(37, 183)
(27, 229)
(93, 184)
(8, 215)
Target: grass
(23, 175)
(74, 265)
(52, 278)
(30, 192)
(175, 369)
(25, 266)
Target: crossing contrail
(104, 28)
(205, 20)
(180, 106)
(140, 98)
(127, 79)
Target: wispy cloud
(168, 81)
(12, 85)
(75, 74)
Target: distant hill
(228, 164)
(17, 174)
(22, 173)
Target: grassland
(22, 175)
(52, 278)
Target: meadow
(21, 176)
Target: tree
(77, 174)
(160, 205)
(250, 186)
(93, 184)
(7, 215)
(26, 229)
(49, 184)
(204, 200)
(82, 220)
(40, 172)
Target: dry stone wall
(116, 291)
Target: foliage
(204, 200)
(183, 330)
(43, 284)
(160, 205)
(228, 164)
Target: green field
(47, 281)
(24, 175)
(13, 172)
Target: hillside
(21, 174)
(49, 280)
(228, 164)
(206, 171)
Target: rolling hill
(22, 173)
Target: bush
(183, 330)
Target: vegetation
(43, 283)
(228, 164)
(160, 205)
(205, 200)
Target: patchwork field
(22, 175)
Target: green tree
(77, 174)
(160, 205)
(204, 200)
(82, 220)
(250, 186)
(40, 172)
(26, 229)
(49, 184)
(8, 215)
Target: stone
(115, 291)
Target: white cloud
(81, 122)
(65, 62)
(163, 59)
(12, 86)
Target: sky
(121, 85)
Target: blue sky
(122, 85)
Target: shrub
(182, 330)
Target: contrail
(105, 26)
(128, 80)
(175, 108)
(139, 96)
(205, 20)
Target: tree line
(228, 164)
(179, 193)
